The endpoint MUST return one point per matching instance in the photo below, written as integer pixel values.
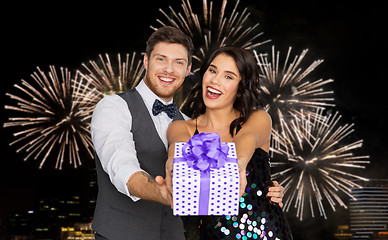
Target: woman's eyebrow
(230, 72)
(212, 65)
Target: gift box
(206, 180)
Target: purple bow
(204, 151)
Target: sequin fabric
(258, 217)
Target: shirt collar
(148, 95)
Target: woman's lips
(213, 93)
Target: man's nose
(168, 67)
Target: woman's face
(220, 82)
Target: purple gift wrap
(206, 180)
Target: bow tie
(159, 107)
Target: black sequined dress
(258, 217)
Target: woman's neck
(218, 120)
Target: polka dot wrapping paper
(211, 192)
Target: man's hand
(164, 192)
(276, 192)
(146, 187)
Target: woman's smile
(213, 93)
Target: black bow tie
(159, 107)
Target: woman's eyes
(226, 76)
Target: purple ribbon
(205, 152)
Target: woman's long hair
(247, 99)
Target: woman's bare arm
(176, 132)
(255, 133)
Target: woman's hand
(243, 181)
(168, 180)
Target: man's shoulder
(127, 93)
(110, 100)
(110, 105)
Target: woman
(227, 102)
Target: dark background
(349, 36)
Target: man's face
(166, 69)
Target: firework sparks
(317, 163)
(288, 89)
(106, 77)
(214, 29)
(51, 120)
(112, 78)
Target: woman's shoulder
(260, 114)
(259, 119)
(178, 130)
(182, 123)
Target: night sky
(350, 37)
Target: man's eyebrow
(231, 72)
(182, 59)
(161, 55)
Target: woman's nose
(215, 80)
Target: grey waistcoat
(116, 216)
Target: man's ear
(145, 62)
(188, 69)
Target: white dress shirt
(113, 140)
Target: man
(129, 136)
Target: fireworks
(51, 120)
(114, 78)
(55, 111)
(106, 78)
(317, 163)
(213, 29)
(311, 159)
(287, 89)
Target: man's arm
(276, 193)
(146, 187)
(114, 145)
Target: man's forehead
(170, 50)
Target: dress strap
(196, 129)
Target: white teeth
(212, 90)
(166, 79)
